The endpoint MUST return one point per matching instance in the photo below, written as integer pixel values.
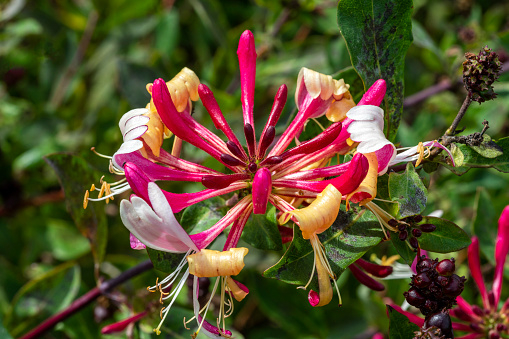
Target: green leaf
(448, 237)
(165, 262)
(467, 157)
(399, 325)
(352, 234)
(203, 215)
(75, 176)
(403, 248)
(488, 148)
(484, 223)
(65, 241)
(261, 231)
(3, 332)
(378, 34)
(43, 297)
(409, 191)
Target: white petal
(163, 209)
(130, 146)
(135, 133)
(365, 112)
(135, 121)
(372, 145)
(147, 227)
(130, 114)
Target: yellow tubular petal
(209, 263)
(182, 87)
(367, 189)
(153, 137)
(338, 109)
(319, 215)
(324, 285)
(238, 293)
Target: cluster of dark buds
(410, 229)
(479, 73)
(435, 286)
(434, 289)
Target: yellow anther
(103, 188)
(420, 149)
(389, 261)
(92, 188)
(161, 312)
(85, 200)
(102, 179)
(157, 331)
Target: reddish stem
(86, 299)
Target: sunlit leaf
(352, 234)
(409, 191)
(447, 237)
(378, 34)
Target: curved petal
(145, 225)
(475, 269)
(246, 53)
(501, 250)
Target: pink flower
(275, 177)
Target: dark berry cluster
(409, 229)
(435, 286)
(479, 73)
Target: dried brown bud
(479, 73)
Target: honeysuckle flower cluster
(266, 170)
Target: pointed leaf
(261, 231)
(408, 189)
(75, 176)
(352, 234)
(399, 325)
(378, 34)
(448, 237)
(488, 148)
(471, 158)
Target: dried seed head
(479, 73)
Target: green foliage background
(70, 69)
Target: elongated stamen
(175, 294)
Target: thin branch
(63, 83)
(87, 298)
(444, 85)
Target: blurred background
(70, 69)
